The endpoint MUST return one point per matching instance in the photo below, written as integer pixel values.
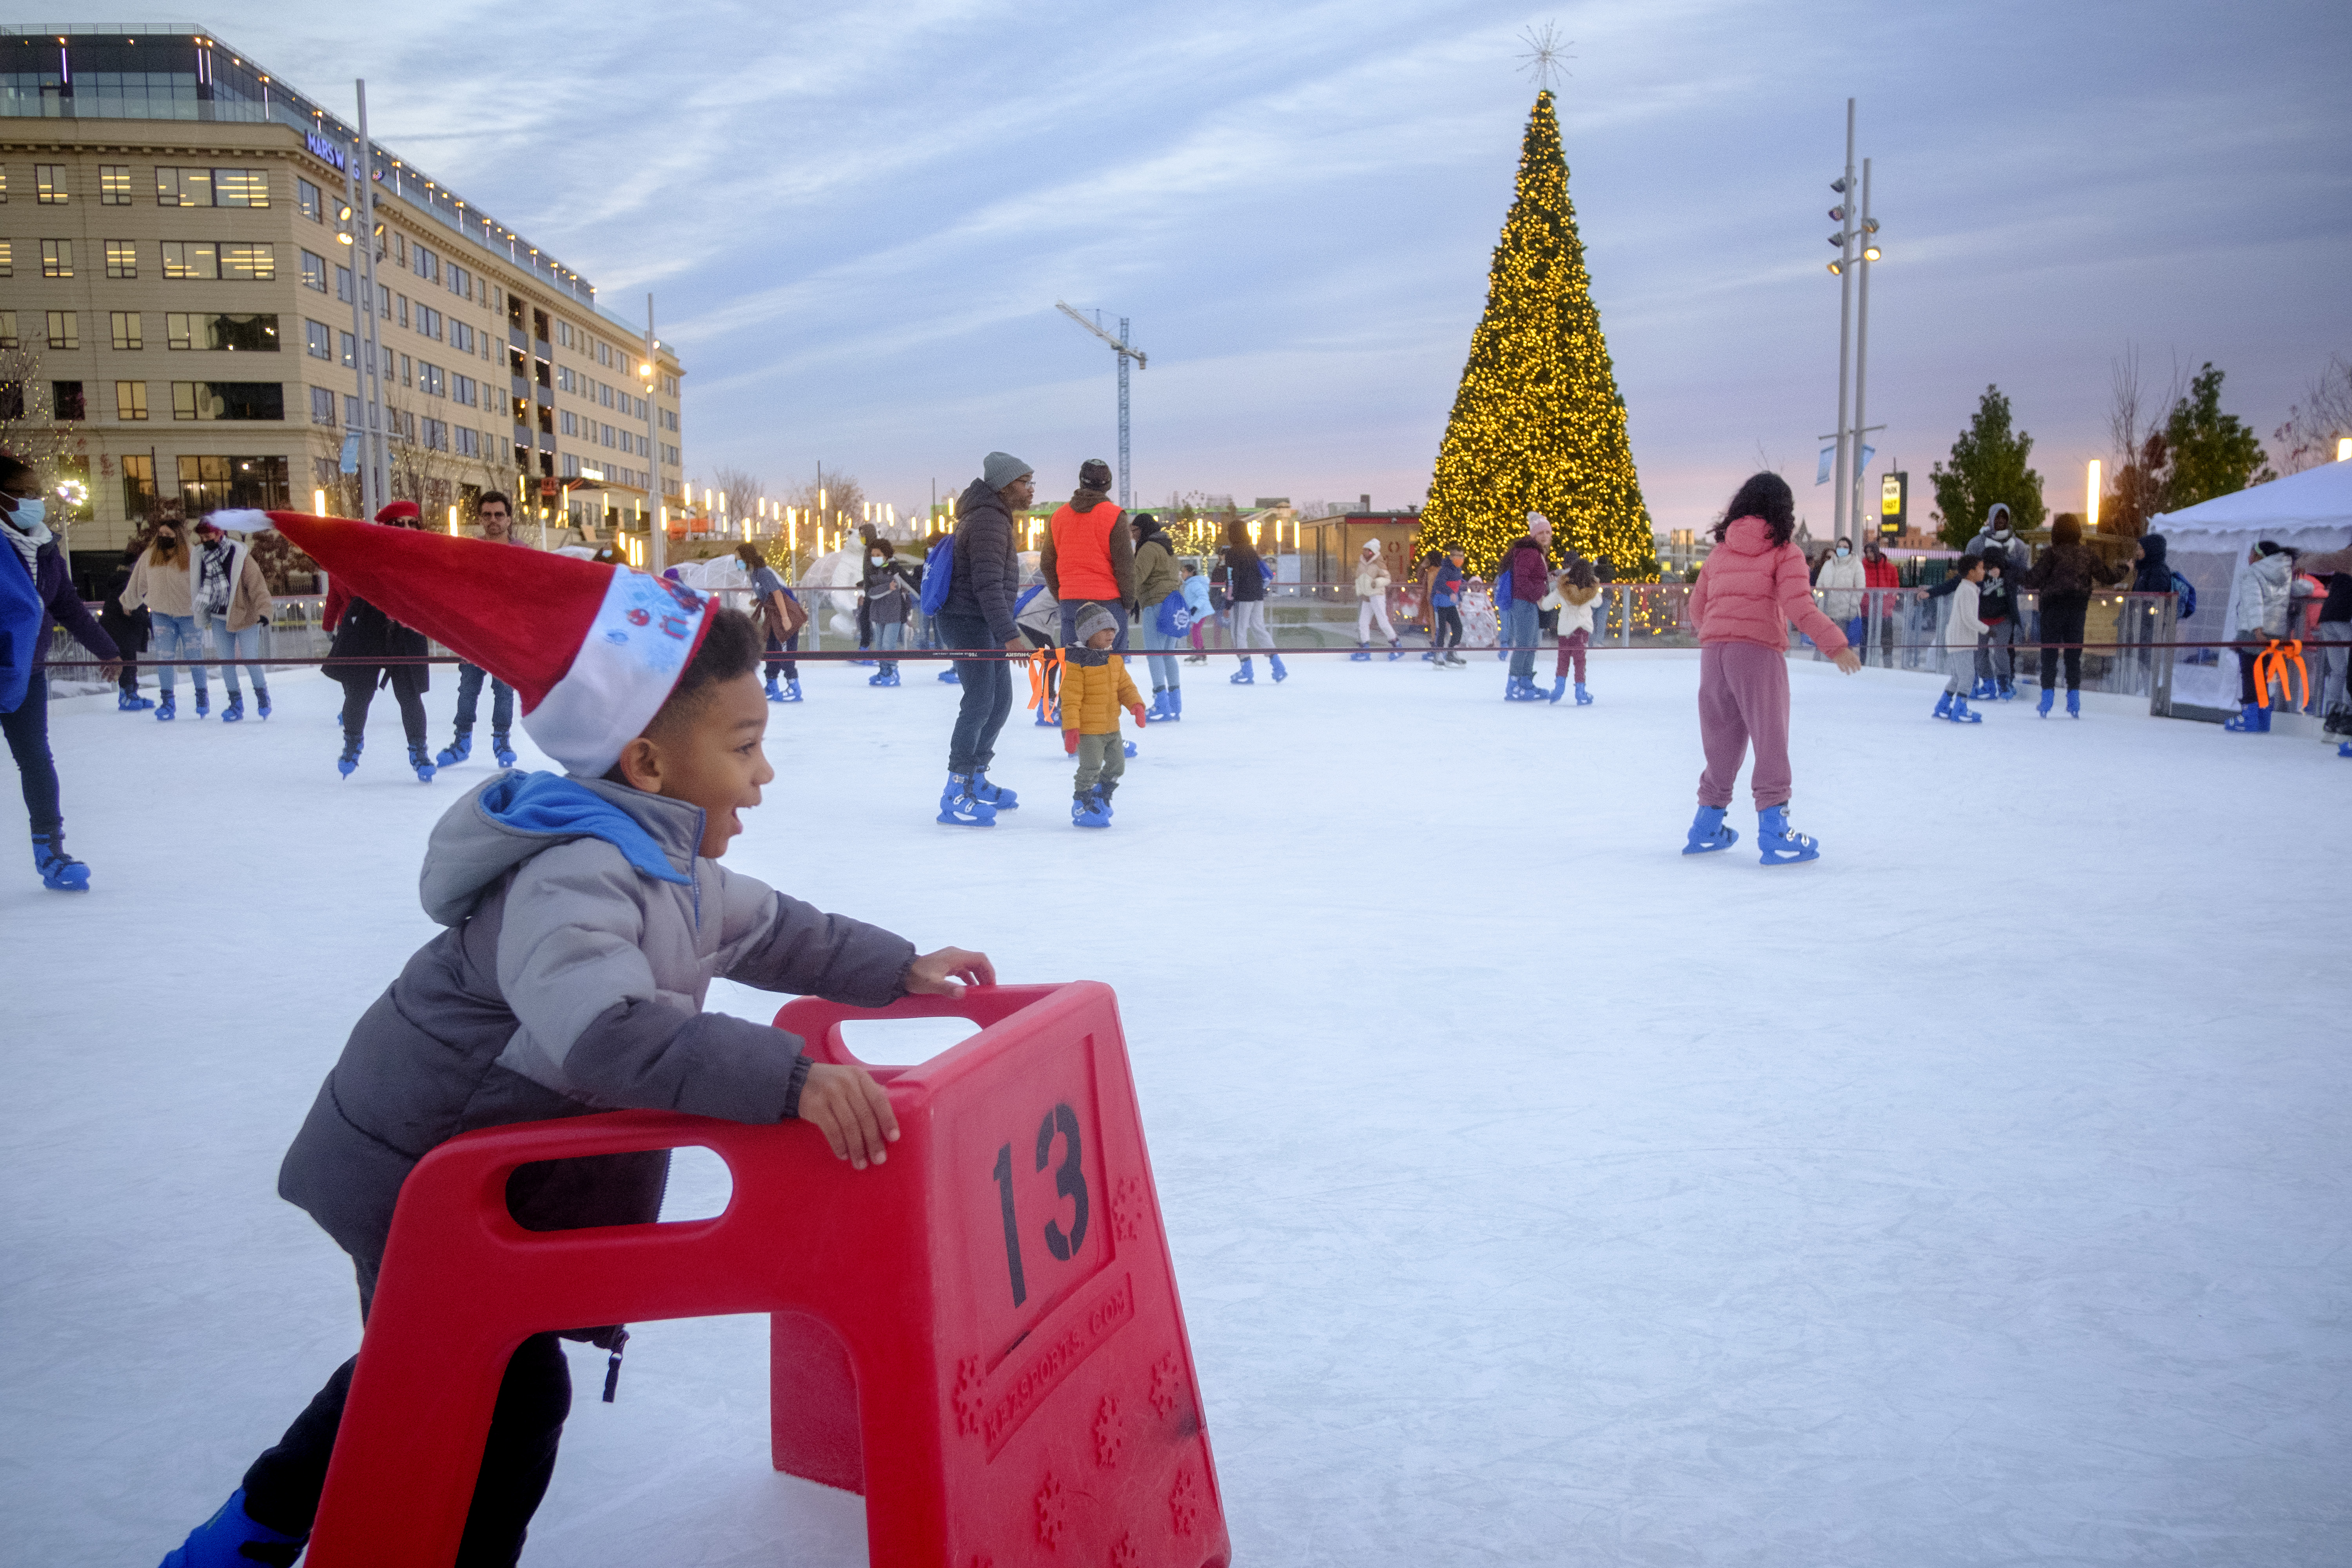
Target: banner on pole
(1829, 456)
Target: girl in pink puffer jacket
(1753, 584)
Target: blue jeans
(172, 638)
(1163, 665)
(1073, 608)
(1520, 637)
(469, 699)
(987, 694)
(889, 637)
(228, 645)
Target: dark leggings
(2062, 622)
(1449, 628)
(282, 1488)
(27, 726)
(789, 669)
(2247, 697)
(359, 690)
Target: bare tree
(53, 449)
(843, 504)
(2137, 459)
(2323, 418)
(741, 488)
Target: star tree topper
(1546, 56)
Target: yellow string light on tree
(1538, 424)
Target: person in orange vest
(1089, 558)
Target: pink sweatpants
(1743, 700)
(1572, 650)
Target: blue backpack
(2188, 591)
(1503, 584)
(1175, 618)
(939, 575)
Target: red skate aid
(983, 1335)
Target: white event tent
(2207, 544)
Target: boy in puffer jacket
(1963, 634)
(584, 917)
(1095, 686)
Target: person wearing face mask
(164, 585)
(35, 594)
(887, 600)
(369, 647)
(234, 599)
(1842, 581)
(1880, 576)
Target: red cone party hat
(591, 650)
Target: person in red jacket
(1752, 586)
(1880, 573)
(1089, 555)
(1528, 563)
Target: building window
(400, 249)
(122, 258)
(190, 258)
(461, 282)
(241, 187)
(65, 398)
(115, 184)
(182, 188)
(546, 420)
(314, 272)
(307, 202)
(343, 284)
(7, 258)
(349, 356)
(429, 379)
(209, 483)
(65, 330)
(57, 259)
(461, 390)
(405, 379)
(469, 442)
(436, 436)
(7, 330)
(214, 331)
(228, 400)
(571, 423)
(403, 308)
(50, 184)
(383, 301)
(428, 320)
(125, 327)
(322, 406)
(570, 467)
(131, 400)
(429, 266)
(351, 412)
(318, 340)
(138, 486)
(461, 337)
(249, 263)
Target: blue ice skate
(1396, 651)
(167, 710)
(1127, 748)
(792, 689)
(990, 794)
(1363, 654)
(1558, 689)
(1779, 844)
(1708, 833)
(460, 747)
(774, 693)
(1244, 676)
(231, 1540)
(260, 699)
(348, 764)
(421, 762)
(1583, 698)
(131, 702)
(204, 702)
(2074, 706)
(948, 677)
(235, 712)
(1176, 703)
(1943, 706)
(2049, 695)
(1962, 713)
(1088, 809)
(958, 808)
(1280, 674)
(2344, 748)
(1984, 688)
(60, 872)
(2009, 692)
(501, 749)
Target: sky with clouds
(857, 219)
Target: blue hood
(555, 807)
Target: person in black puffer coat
(126, 627)
(378, 648)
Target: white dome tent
(2207, 544)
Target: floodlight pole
(372, 453)
(1861, 362)
(1845, 454)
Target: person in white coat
(2258, 606)
(1372, 604)
(1961, 631)
(1842, 582)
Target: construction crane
(1125, 351)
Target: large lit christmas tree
(1537, 425)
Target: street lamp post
(1844, 240)
(649, 373)
(373, 458)
(1860, 359)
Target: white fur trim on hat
(627, 664)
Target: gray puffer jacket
(583, 929)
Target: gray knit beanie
(1094, 618)
(1001, 469)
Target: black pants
(282, 1488)
(1449, 628)
(987, 694)
(2247, 658)
(359, 690)
(789, 669)
(28, 741)
(2062, 622)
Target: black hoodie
(2153, 575)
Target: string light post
(1857, 244)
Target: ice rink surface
(1975, 1195)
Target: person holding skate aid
(584, 915)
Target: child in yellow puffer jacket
(1095, 686)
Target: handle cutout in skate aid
(983, 1335)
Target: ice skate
(233, 712)
(1943, 706)
(774, 693)
(2075, 705)
(131, 702)
(990, 794)
(1708, 832)
(1558, 689)
(792, 690)
(460, 747)
(958, 808)
(231, 1538)
(1962, 714)
(1363, 654)
(1280, 674)
(1244, 676)
(1583, 698)
(166, 710)
(204, 702)
(60, 872)
(1779, 844)
(501, 749)
(1088, 810)
(348, 764)
(2049, 695)
(421, 762)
